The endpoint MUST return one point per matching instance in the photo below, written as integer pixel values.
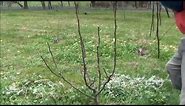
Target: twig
(115, 53)
(98, 60)
(159, 12)
(92, 83)
(105, 73)
(83, 50)
(157, 31)
(52, 55)
(60, 76)
(162, 35)
(152, 23)
(166, 9)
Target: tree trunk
(18, 4)
(92, 3)
(150, 5)
(49, 5)
(25, 4)
(43, 4)
(1, 3)
(9, 3)
(61, 3)
(68, 3)
(135, 3)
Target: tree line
(93, 4)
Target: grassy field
(26, 80)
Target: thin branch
(152, 24)
(166, 9)
(115, 53)
(52, 55)
(18, 3)
(115, 37)
(162, 35)
(105, 73)
(83, 50)
(159, 12)
(60, 76)
(157, 31)
(98, 60)
(92, 83)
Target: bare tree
(9, 3)
(92, 4)
(68, 3)
(94, 85)
(25, 4)
(43, 4)
(1, 3)
(49, 5)
(17, 2)
(61, 4)
(135, 4)
(152, 23)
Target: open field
(26, 80)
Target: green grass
(24, 34)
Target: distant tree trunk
(1, 3)
(17, 3)
(150, 4)
(25, 4)
(9, 3)
(135, 4)
(141, 4)
(43, 4)
(49, 5)
(61, 3)
(92, 3)
(68, 3)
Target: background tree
(49, 5)
(61, 4)
(25, 4)
(43, 4)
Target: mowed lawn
(23, 35)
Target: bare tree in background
(17, 2)
(152, 23)
(1, 3)
(43, 4)
(61, 3)
(49, 5)
(69, 3)
(92, 4)
(158, 22)
(94, 84)
(25, 4)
